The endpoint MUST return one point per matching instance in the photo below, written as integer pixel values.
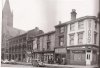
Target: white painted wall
(85, 32)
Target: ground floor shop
(20, 56)
(47, 56)
(77, 55)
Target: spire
(6, 8)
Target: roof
(78, 19)
(51, 32)
(6, 8)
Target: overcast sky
(45, 14)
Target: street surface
(25, 66)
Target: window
(61, 40)
(95, 24)
(80, 25)
(61, 29)
(72, 27)
(72, 39)
(48, 45)
(48, 38)
(95, 38)
(80, 38)
(38, 43)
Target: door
(88, 57)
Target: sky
(45, 14)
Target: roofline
(51, 32)
(78, 19)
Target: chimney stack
(59, 22)
(73, 14)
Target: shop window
(72, 27)
(77, 57)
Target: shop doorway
(60, 58)
(88, 57)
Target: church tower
(7, 15)
(7, 21)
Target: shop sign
(78, 51)
(60, 50)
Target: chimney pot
(73, 14)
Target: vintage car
(5, 61)
(12, 62)
(37, 63)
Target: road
(24, 66)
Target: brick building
(19, 48)
(43, 46)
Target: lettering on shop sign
(78, 51)
(89, 32)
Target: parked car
(2, 61)
(12, 62)
(37, 63)
(5, 61)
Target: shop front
(60, 55)
(82, 55)
(44, 56)
(48, 57)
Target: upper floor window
(48, 45)
(48, 37)
(61, 41)
(95, 24)
(80, 38)
(38, 43)
(72, 27)
(61, 29)
(72, 39)
(95, 38)
(80, 25)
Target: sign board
(60, 50)
(78, 51)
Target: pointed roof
(6, 8)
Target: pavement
(62, 66)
